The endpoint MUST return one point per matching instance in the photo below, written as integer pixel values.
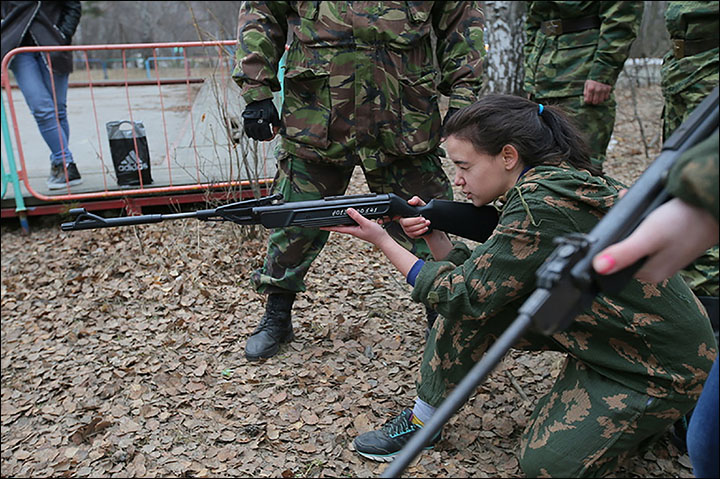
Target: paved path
(197, 148)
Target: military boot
(275, 328)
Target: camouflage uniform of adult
(568, 43)
(689, 73)
(360, 89)
(636, 361)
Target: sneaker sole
(384, 457)
(376, 458)
(60, 186)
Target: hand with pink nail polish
(672, 236)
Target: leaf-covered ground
(122, 356)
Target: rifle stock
(461, 219)
(566, 282)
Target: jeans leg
(702, 434)
(61, 88)
(34, 81)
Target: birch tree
(504, 38)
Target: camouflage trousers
(678, 106)
(595, 122)
(583, 427)
(291, 251)
(703, 274)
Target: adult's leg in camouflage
(596, 122)
(679, 105)
(421, 176)
(291, 251)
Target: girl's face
(482, 177)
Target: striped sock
(417, 421)
(422, 412)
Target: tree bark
(653, 40)
(504, 33)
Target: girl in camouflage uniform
(635, 362)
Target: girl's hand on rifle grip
(415, 226)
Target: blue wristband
(412, 274)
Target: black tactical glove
(259, 118)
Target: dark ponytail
(542, 135)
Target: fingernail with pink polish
(604, 264)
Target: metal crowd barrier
(190, 109)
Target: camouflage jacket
(694, 176)
(360, 82)
(691, 21)
(646, 338)
(558, 65)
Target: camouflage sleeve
(261, 35)
(460, 50)
(620, 22)
(694, 176)
(500, 271)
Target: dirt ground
(122, 355)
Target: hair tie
(540, 108)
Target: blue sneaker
(385, 443)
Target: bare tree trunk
(504, 33)
(653, 39)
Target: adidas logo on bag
(130, 163)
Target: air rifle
(462, 219)
(566, 282)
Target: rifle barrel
(85, 220)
